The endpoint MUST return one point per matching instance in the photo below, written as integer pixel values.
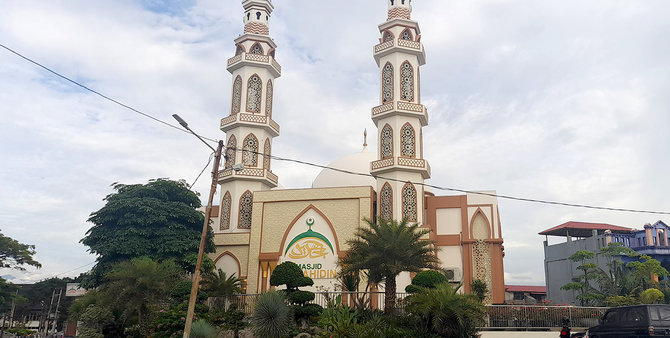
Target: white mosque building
(258, 226)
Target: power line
(522, 199)
(508, 197)
(96, 92)
(203, 169)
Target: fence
(497, 316)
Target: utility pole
(46, 326)
(205, 226)
(55, 325)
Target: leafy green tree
(645, 269)
(446, 312)
(16, 255)
(387, 248)
(158, 220)
(218, 284)
(587, 294)
(617, 280)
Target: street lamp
(208, 209)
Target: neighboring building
(259, 226)
(525, 294)
(560, 270)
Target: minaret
(400, 168)
(249, 128)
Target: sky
(561, 100)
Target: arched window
(406, 82)
(256, 49)
(408, 140)
(268, 99)
(237, 95)
(250, 154)
(387, 83)
(230, 152)
(246, 205)
(225, 211)
(386, 203)
(266, 154)
(409, 202)
(387, 36)
(239, 50)
(406, 35)
(254, 89)
(387, 142)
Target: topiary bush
(426, 279)
(291, 275)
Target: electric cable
(508, 197)
(98, 93)
(203, 169)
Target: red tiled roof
(526, 288)
(583, 229)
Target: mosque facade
(258, 226)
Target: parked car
(650, 320)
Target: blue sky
(559, 100)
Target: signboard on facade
(74, 290)
(311, 244)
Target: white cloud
(559, 100)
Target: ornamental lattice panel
(246, 205)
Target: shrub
(272, 316)
(651, 296)
(291, 275)
(339, 321)
(300, 297)
(426, 279)
(202, 329)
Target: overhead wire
(508, 197)
(203, 169)
(97, 92)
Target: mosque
(258, 225)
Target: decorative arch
(386, 202)
(256, 49)
(406, 35)
(237, 96)
(387, 83)
(406, 81)
(268, 99)
(386, 142)
(232, 255)
(254, 91)
(266, 154)
(231, 148)
(246, 206)
(409, 208)
(297, 218)
(387, 36)
(408, 140)
(480, 227)
(239, 49)
(226, 204)
(250, 151)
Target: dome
(357, 163)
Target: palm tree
(387, 248)
(446, 312)
(218, 284)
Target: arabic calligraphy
(311, 248)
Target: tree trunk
(389, 292)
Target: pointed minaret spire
(249, 128)
(400, 168)
(365, 138)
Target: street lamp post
(208, 209)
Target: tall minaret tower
(249, 128)
(400, 168)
